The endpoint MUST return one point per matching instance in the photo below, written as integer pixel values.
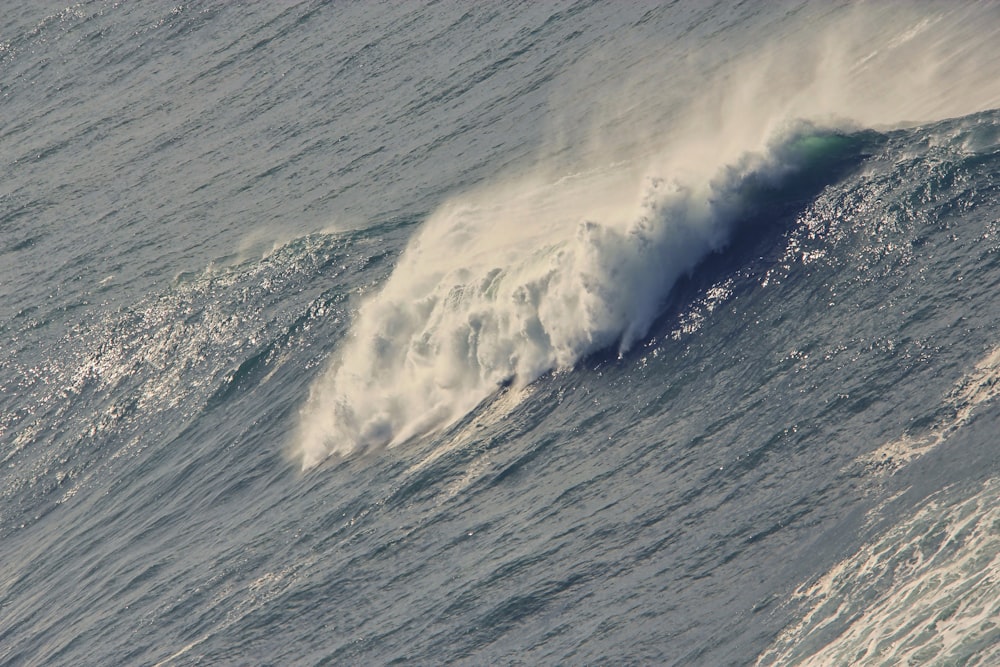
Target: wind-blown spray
(507, 283)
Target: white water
(529, 276)
(924, 593)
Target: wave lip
(497, 293)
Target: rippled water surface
(507, 333)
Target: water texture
(499, 333)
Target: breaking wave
(519, 279)
(497, 292)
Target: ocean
(507, 333)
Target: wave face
(552, 333)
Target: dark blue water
(542, 333)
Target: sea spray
(531, 274)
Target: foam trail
(925, 592)
(978, 387)
(522, 278)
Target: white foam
(979, 386)
(926, 592)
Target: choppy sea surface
(499, 333)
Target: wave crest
(502, 288)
